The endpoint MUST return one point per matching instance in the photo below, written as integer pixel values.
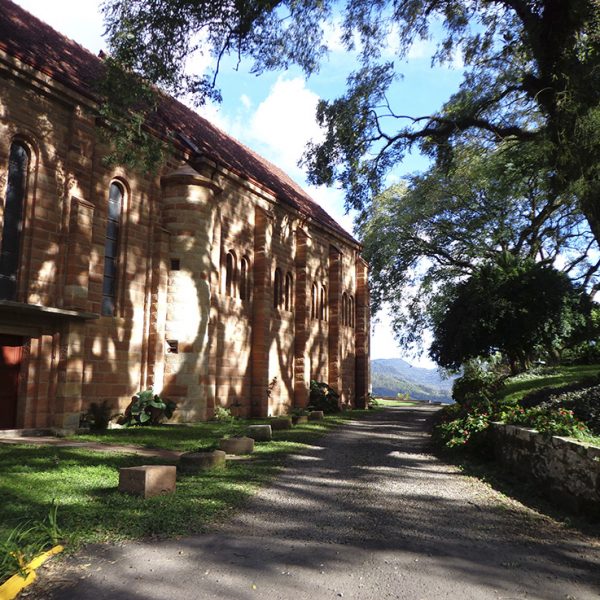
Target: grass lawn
(83, 482)
(391, 402)
(521, 385)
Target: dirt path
(367, 514)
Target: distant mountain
(391, 376)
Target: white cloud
(332, 201)
(246, 101)
(284, 122)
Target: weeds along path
(369, 513)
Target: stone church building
(217, 281)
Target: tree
(516, 308)
(531, 74)
(437, 229)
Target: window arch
(323, 304)
(351, 311)
(277, 288)
(12, 227)
(230, 273)
(244, 278)
(116, 197)
(289, 291)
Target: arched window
(230, 273)
(289, 291)
(277, 289)
(314, 301)
(351, 311)
(344, 309)
(244, 279)
(111, 248)
(323, 304)
(10, 244)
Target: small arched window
(323, 304)
(277, 289)
(351, 311)
(314, 299)
(111, 248)
(12, 227)
(289, 291)
(244, 279)
(230, 274)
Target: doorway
(11, 356)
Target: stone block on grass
(316, 415)
(147, 480)
(260, 433)
(299, 419)
(279, 423)
(237, 445)
(192, 462)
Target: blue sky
(274, 112)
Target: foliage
(547, 419)
(98, 416)
(323, 397)
(223, 414)
(437, 228)
(465, 428)
(27, 540)
(530, 74)
(147, 408)
(517, 308)
(478, 384)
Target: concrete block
(260, 433)
(316, 415)
(280, 423)
(299, 419)
(192, 462)
(237, 445)
(147, 480)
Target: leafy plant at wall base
(147, 408)
(98, 416)
(457, 432)
(26, 541)
(223, 414)
(547, 419)
(323, 397)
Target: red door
(11, 354)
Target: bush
(97, 417)
(549, 394)
(550, 419)
(147, 408)
(223, 414)
(477, 386)
(323, 397)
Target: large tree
(518, 308)
(435, 230)
(532, 72)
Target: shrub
(550, 419)
(223, 414)
(97, 417)
(147, 408)
(478, 386)
(323, 397)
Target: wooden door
(11, 355)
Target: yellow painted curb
(13, 586)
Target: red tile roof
(35, 43)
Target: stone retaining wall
(568, 471)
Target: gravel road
(369, 513)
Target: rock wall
(568, 471)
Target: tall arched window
(111, 248)
(230, 273)
(12, 228)
(244, 278)
(277, 288)
(323, 304)
(314, 301)
(344, 309)
(351, 311)
(289, 291)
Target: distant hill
(391, 376)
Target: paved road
(367, 514)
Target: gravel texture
(369, 513)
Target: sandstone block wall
(568, 471)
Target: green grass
(391, 402)
(519, 386)
(84, 482)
